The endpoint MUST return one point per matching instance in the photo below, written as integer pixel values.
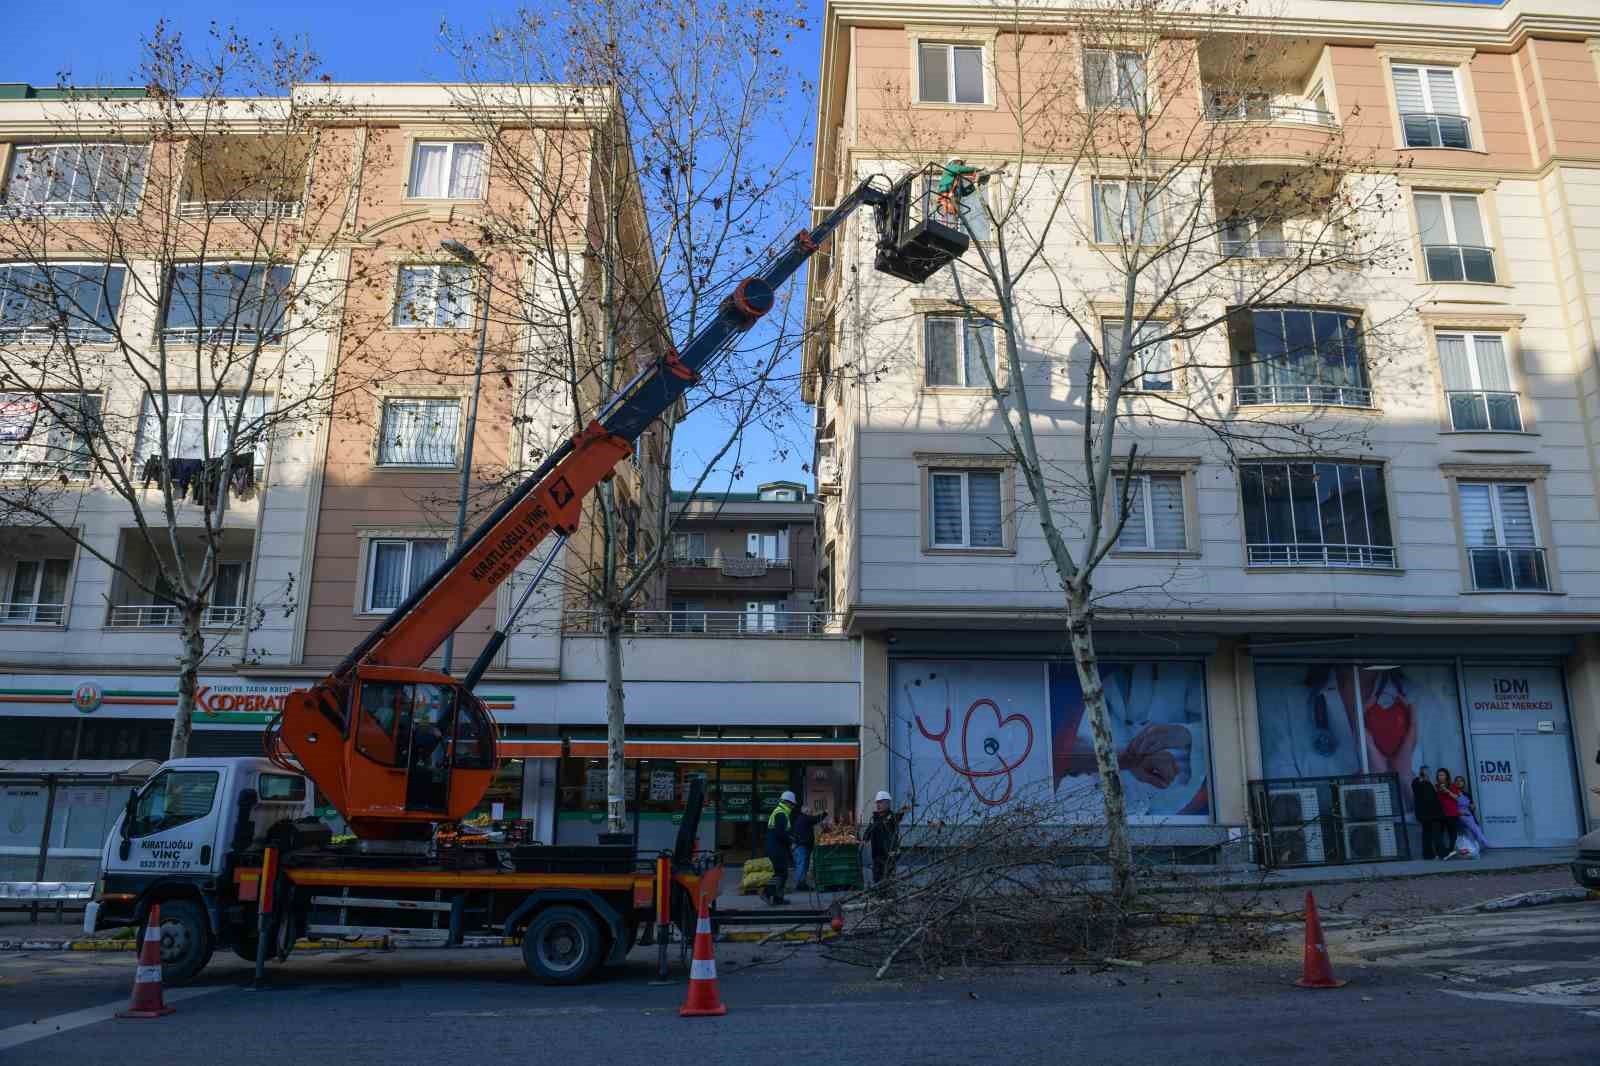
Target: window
(280, 788)
(1153, 506)
(446, 170)
(975, 220)
(1150, 368)
(773, 547)
(71, 302)
(419, 432)
(950, 73)
(1453, 244)
(75, 180)
(1429, 101)
(780, 494)
(689, 547)
(1477, 382)
(1502, 538)
(965, 509)
(38, 592)
(173, 798)
(227, 592)
(957, 348)
(1316, 514)
(688, 616)
(1298, 355)
(1126, 212)
(197, 427)
(1254, 238)
(396, 567)
(763, 616)
(437, 296)
(226, 303)
(48, 435)
(1114, 79)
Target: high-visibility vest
(772, 819)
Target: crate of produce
(836, 866)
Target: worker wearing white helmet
(882, 836)
(780, 846)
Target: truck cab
(174, 842)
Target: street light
(466, 255)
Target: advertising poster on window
(1336, 719)
(970, 737)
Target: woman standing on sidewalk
(1469, 820)
(1451, 810)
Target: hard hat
(787, 797)
(883, 796)
(955, 159)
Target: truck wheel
(186, 941)
(562, 945)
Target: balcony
(1426, 129)
(712, 623)
(247, 178)
(1459, 262)
(46, 336)
(731, 573)
(1267, 247)
(1252, 110)
(1324, 556)
(1484, 411)
(1497, 569)
(265, 209)
(143, 603)
(36, 614)
(162, 616)
(1305, 395)
(233, 337)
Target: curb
(1536, 899)
(395, 943)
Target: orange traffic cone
(703, 1001)
(146, 1002)
(1317, 971)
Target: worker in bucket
(882, 835)
(780, 846)
(957, 181)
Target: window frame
(1294, 549)
(415, 143)
(965, 321)
(948, 466)
(1463, 94)
(1486, 223)
(950, 44)
(218, 421)
(1532, 478)
(55, 618)
(160, 782)
(169, 334)
(1257, 364)
(1182, 474)
(378, 452)
(122, 208)
(370, 565)
(1469, 336)
(1155, 218)
(49, 459)
(1138, 385)
(86, 335)
(1116, 55)
(467, 318)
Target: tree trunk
(194, 653)
(1080, 630)
(616, 748)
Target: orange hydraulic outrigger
(396, 747)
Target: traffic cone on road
(1317, 971)
(704, 1000)
(146, 1002)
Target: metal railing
(1459, 262)
(1509, 569)
(1319, 395)
(719, 560)
(1262, 111)
(1273, 248)
(1472, 409)
(54, 335)
(1331, 556)
(68, 209)
(165, 616)
(40, 614)
(284, 209)
(712, 623)
(1427, 129)
(46, 471)
(231, 335)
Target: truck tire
(562, 945)
(186, 941)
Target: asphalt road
(1523, 988)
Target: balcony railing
(282, 209)
(40, 614)
(1329, 556)
(1271, 248)
(1484, 410)
(733, 565)
(1426, 129)
(45, 471)
(1509, 569)
(46, 335)
(68, 209)
(1318, 395)
(1459, 262)
(1261, 111)
(712, 623)
(165, 616)
(233, 336)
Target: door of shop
(749, 790)
(1523, 786)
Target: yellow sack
(757, 872)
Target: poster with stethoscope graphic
(969, 737)
(1334, 719)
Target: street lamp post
(466, 255)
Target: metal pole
(466, 449)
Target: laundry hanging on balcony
(199, 479)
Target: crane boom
(386, 708)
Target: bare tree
(643, 220)
(1159, 176)
(168, 293)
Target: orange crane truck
(228, 847)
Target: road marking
(1572, 986)
(38, 1030)
(1519, 997)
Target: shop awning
(710, 749)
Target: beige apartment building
(1449, 619)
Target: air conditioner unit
(1365, 803)
(1370, 841)
(827, 475)
(1294, 815)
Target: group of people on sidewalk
(1444, 808)
(792, 835)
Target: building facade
(1448, 621)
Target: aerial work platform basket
(920, 228)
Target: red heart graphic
(1006, 768)
(1388, 726)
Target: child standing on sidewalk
(1469, 821)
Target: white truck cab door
(172, 826)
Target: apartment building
(1441, 608)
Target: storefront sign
(663, 786)
(87, 697)
(1520, 696)
(231, 700)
